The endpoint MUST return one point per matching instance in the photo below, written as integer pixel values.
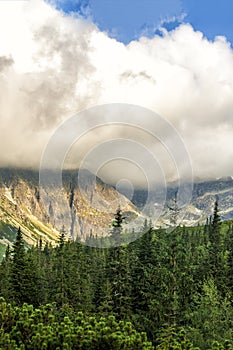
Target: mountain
(83, 205)
(201, 205)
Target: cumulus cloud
(53, 65)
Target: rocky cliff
(77, 208)
(85, 205)
(201, 203)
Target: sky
(126, 20)
(173, 57)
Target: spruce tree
(117, 227)
(118, 270)
(59, 271)
(215, 229)
(18, 268)
(216, 247)
(230, 263)
(5, 268)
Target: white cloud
(53, 65)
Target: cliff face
(86, 205)
(78, 208)
(19, 206)
(201, 204)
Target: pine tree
(230, 263)
(215, 230)
(118, 270)
(216, 255)
(59, 271)
(5, 268)
(18, 268)
(61, 239)
(172, 339)
(174, 240)
(8, 253)
(117, 227)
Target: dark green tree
(117, 271)
(18, 269)
(117, 227)
(216, 249)
(230, 263)
(5, 268)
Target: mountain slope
(43, 213)
(201, 205)
(85, 205)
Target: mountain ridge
(86, 205)
(42, 214)
(201, 205)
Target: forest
(169, 289)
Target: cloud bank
(54, 65)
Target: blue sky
(212, 17)
(126, 20)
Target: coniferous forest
(166, 290)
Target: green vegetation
(41, 328)
(2, 250)
(7, 231)
(167, 290)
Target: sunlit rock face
(84, 205)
